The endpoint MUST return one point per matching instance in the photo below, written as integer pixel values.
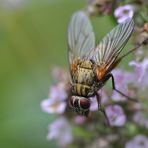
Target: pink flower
(115, 115)
(122, 80)
(104, 96)
(58, 92)
(141, 73)
(60, 130)
(140, 141)
(94, 104)
(79, 119)
(140, 119)
(123, 13)
(104, 100)
(56, 103)
(53, 106)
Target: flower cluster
(139, 141)
(60, 129)
(127, 119)
(56, 103)
(123, 13)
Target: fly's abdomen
(81, 89)
(83, 79)
(85, 74)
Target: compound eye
(85, 103)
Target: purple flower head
(140, 141)
(122, 79)
(60, 130)
(141, 73)
(53, 106)
(123, 13)
(140, 119)
(104, 100)
(56, 103)
(115, 115)
(104, 96)
(94, 104)
(58, 92)
(80, 119)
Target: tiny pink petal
(140, 119)
(61, 131)
(115, 115)
(141, 73)
(123, 13)
(117, 97)
(58, 92)
(53, 106)
(94, 104)
(139, 141)
(79, 120)
(104, 100)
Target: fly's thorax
(88, 64)
(80, 104)
(84, 74)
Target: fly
(90, 65)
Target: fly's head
(80, 105)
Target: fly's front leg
(114, 88)
(101, 108)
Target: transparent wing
(112, 44)
(81, 39)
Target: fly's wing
(107, 52)
(81, 39)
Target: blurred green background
(33, 38)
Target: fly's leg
(145, 42)
(101, 108)
(114, 88)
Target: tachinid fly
(90, 65)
